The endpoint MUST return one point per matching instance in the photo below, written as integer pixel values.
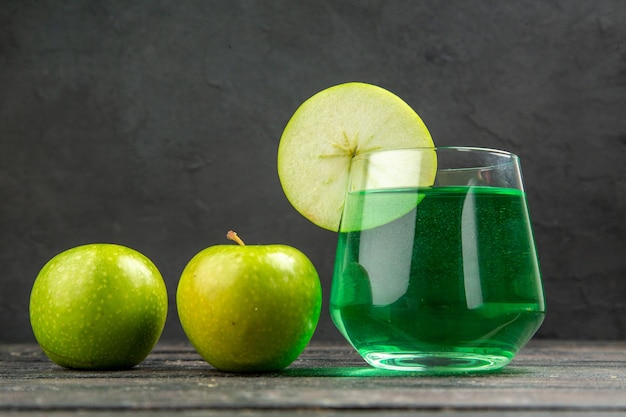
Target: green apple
(249, 308)
(98, 306)
(328, 130)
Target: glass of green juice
(441, 277)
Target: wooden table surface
(553, 378)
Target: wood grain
(560, 378)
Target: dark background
(155, 124)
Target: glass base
(436, 362)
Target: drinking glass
(442, 277)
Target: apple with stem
(249, 308)
(98, 306)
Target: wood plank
(564, 377)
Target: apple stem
(231, 235)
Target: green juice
(451, 284)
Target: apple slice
(332, 127)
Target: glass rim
(476, 149)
